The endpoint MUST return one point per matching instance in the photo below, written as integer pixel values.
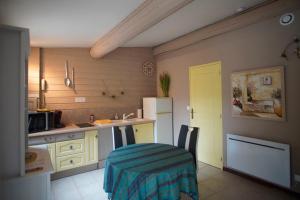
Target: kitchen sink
(133, 120)
(84, 125)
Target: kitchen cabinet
(69, 150)
(143, 133)
(91, 147)
(70, 147)
(70, 161)
(51, 150)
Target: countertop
(73, 128)
(42, 164)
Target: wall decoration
(148, 68)
(296, 50)
(259, 93)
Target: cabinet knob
(71, 147)
(96, 136)
(71, 161)
(136, 130)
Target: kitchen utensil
(73, 77)
(68, 81)
(92, 118)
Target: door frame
(222, 132)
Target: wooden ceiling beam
(253, 15)
(149, 13)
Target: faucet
(127, 116)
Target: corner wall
(256, 46)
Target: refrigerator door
(164, 129)
(163, 105)
(149, 107)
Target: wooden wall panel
(118, 71)
(33, 77)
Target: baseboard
(261, 181)
(101, 164)
(71, 172)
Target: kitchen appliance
(44, 121)
(160, 110)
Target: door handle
(192, 113)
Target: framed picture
(259, 94)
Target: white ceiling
(195, 15)
(80, 23)
(65, 23)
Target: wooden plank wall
(33, 77)
(119, 71)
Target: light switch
(80, 99)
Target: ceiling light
(286, 19)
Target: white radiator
(263, 159)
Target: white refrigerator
(160, 109)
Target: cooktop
(84, 125)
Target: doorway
(206, 111)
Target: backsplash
(95, 79)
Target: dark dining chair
(188, 140)
(123, 136)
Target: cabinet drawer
(69, 162)
(69, 147)
(41, 140)
(69, 136)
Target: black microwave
(44, 121)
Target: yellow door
(143, 133)
(206, 111)
(91, 147)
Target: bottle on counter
(92, 118)
(139, 113)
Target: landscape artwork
(259, 93)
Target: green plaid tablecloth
(150, 171)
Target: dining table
(150, 171)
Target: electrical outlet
(80, 99)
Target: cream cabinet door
(91, 147)
(69, 147)
(51, 149)
(70, 161)
(143, 133)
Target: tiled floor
(214, 184)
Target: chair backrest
(188, 139)
(123, 136)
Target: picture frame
(259, 94)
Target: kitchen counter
(73, 128)
(42, 164)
